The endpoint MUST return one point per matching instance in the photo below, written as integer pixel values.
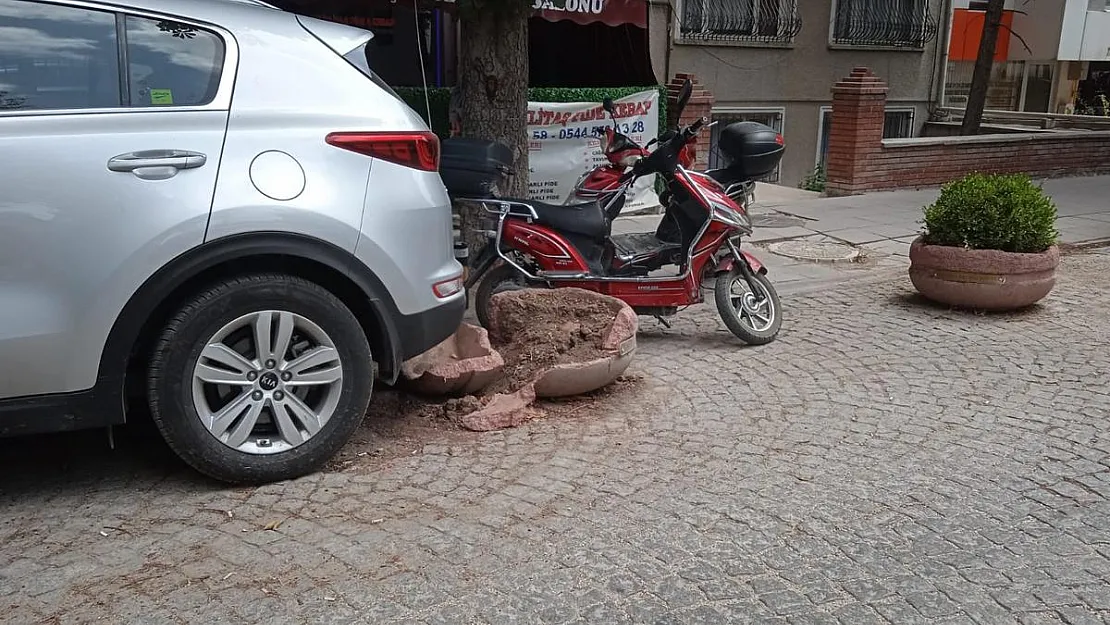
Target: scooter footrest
(629, 246)
(563, 275)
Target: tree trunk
(492, 97)
(984, 63)
(493, 85)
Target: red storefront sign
(610, 12)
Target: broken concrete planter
(506, 410)
(467, 363)
(585, 377)
(619, 347)
(987, 280)
(462, 365)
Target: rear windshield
(360, 58)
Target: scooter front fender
(727, 263)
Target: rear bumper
(417, 333)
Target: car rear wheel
(260, 378)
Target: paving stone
(883, 461)
(1079, 616)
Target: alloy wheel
(755, 310)
(267, 382)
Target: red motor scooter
(540, 245)
(622, 152)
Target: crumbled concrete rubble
(541, 343)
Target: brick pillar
(700, 105)
(859, 107)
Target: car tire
(180, 389)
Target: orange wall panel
(967, 32)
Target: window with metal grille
(883, 23)
(755, 21)
(769, 117)
(897, 124)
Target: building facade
(1053, 56)
(572, 43)
(775, 61)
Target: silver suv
(217, 209)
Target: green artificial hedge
(440, 99)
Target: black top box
(473, 167)
(752, 150)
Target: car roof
(235, 14)
(183, 6)
(199, 9)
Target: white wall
(1085, 34)
(1096, 37)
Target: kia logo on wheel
(268, 382)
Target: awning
(609, 12)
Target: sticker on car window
(161, 97)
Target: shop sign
(564, 144)
(610, 12)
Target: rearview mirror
(607, 104)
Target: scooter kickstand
(663, 321)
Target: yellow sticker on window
(161, 97)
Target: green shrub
(992, 212)
(815, 180)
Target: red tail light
(419, 150)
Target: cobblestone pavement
(883, 462)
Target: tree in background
(492, 97)
(984, 63)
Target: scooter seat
(586, 219)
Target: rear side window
(360, 58)
(54, 57)
(172, 64)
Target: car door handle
(177, 159)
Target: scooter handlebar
(693, 129)
(686, 134)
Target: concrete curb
(1080, 246)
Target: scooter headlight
(729, 216)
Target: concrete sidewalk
(1083, 205)
(882, 225)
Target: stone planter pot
(463, 364)
(585, 377)
(564, 380)
(987, 280)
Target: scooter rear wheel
(754, 318)
(499, 279)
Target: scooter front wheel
(755, 317)
(501, 278)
